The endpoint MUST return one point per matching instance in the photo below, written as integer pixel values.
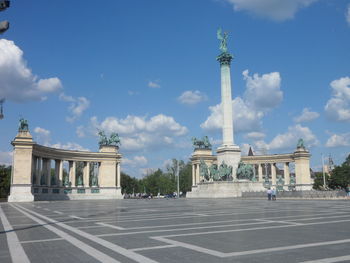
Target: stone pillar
(197, 174)
(48, 171)
(193, 174)
(286, 173)
(302, 169)
(21, 177)
(228, 152)
(273, 173)
(86, 174)
(118, 175)
(60, 173)
(260, 173)
(57, 171)
(38, 170)
(72, 173)
(34, 164)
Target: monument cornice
(54, 153)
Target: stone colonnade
(264, 165)
(39, 172)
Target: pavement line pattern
(58, 212)
(150, 248)
(329, 260)
(249, 252)
(118, 249)
(74, 241)
(16, 250)
(111, 226)
(77, 217)
(41, 240)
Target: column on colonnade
(260, 173)
(86, 174)
(286, 173)
(72, 167)
(273, 173)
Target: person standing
(273, 193)
(269, 193)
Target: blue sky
(146, 69)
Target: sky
(147, 70)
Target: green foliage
(159, 181)
(318, 181)
(340, 177)
(5, 180)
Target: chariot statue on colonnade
(113, 139)
(203, 143)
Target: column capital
(224, 59)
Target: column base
(231, 155)
(21, 193)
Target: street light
(4, 25)
(324, 177)
(1, 110)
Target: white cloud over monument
(17, 82)
(273, 9)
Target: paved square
(184, 230)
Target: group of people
(271, 194)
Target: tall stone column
(273, 173)
(34, 164)
(228, 152)
(38, 170)
(286, 173)
(72, 168)
(60, 173)
(260, 173)
(118, 174)
(193, 175)
(197, 174)
(86, 173)
(48, 171)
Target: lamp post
(178, 178)
(324, 177)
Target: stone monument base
(224, 189)
(21, 193)
(231, 155)
(52, 193)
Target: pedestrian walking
(269, 193)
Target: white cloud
(263, 93)
(190, 97)
(307, 116)
(77, 106)
(278, 10)
(136, 161)
(338, 106)
(138, 133)
(154, 84)
(347, 16)
(255, 135)
(17, 82)
(289, 139)
(6, 158)
(338, 140)
(43, 136)
(69, 146)
(244, 118)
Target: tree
(340, 177)
(5, 180)
(129, 184)
(318, 181)
(186, 178)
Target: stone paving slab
(178, 230)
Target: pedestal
(231, 155)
